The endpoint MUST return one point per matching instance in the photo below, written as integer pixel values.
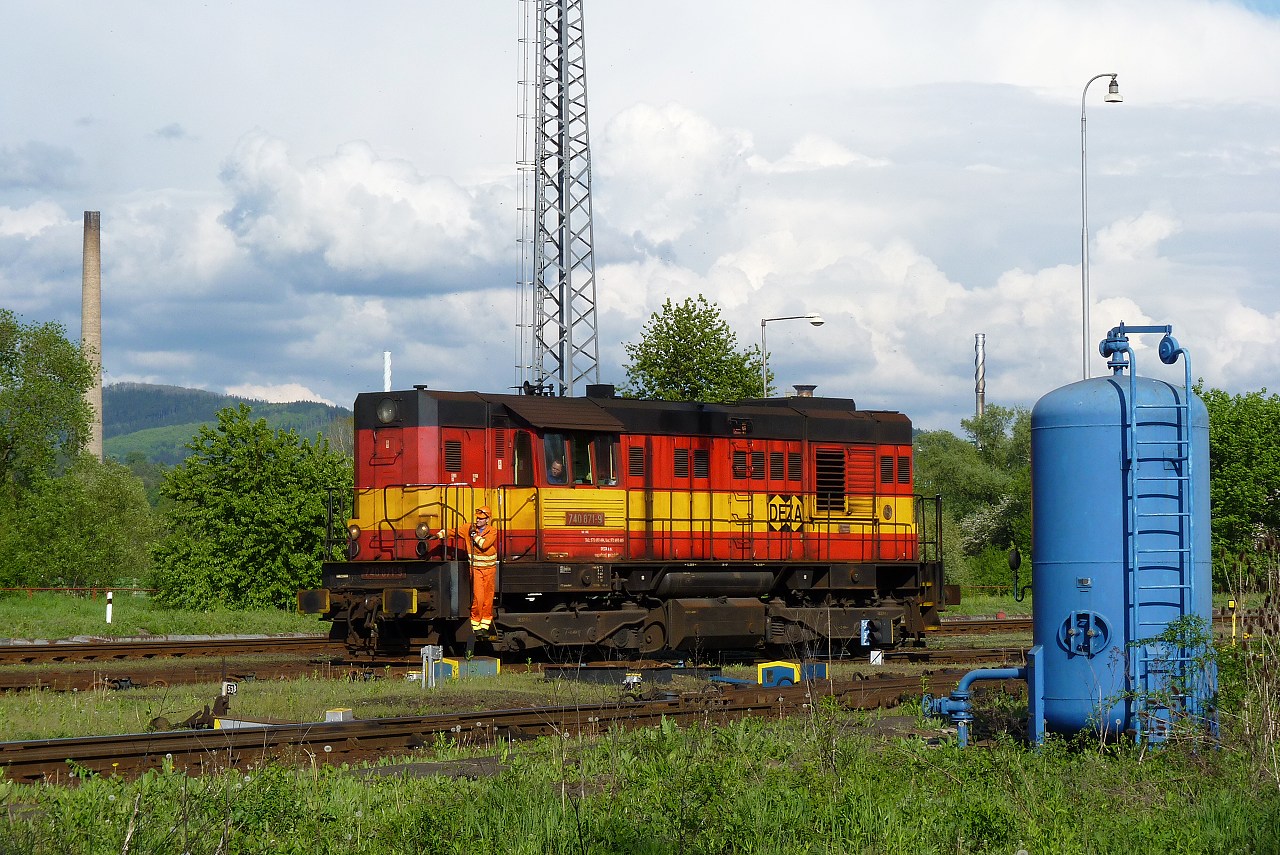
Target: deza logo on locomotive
(786, 513)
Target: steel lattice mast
(558, 333)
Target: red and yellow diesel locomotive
(634, 525)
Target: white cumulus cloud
(282, 393)
(361, 213)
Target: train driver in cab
(555, 472)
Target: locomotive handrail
(779, 544)
(331, 539)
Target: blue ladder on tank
(1161, 578)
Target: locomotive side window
(578, 458)
(557, 462)
(580, 469)
(522, 466)
(605, 452)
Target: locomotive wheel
(655, 637)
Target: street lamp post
(813, 318)
(1113, 97)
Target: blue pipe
(958, 707)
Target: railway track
(105, 651)
(985, 626)
(206, 751)
(957, 655)
(119, 676)
(1246, 621)
(315, 655)
(64, 652)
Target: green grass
(985, 605)
(824, 782)
(54, 615)
(816, 784)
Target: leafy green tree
(90, 527)
(1244, 467)
(248, 514)
(688, 353)
(150, 474)
(985, 483)
(44, 417)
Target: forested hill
(159, 421)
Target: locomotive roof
(813, 418)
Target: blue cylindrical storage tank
(1121, 548)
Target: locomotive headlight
(423, 530)
(386, 411)
(353, 532)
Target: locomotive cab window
(581, 468)
(604, 450)
(557, 463)
(522, 464)
(580, 458)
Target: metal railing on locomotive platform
(450, 514)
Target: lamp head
(815, 319)
(1113, 92)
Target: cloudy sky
(289, 189)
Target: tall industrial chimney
(980, 373)
(91, 323)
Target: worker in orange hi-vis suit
(482, 547)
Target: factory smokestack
(980, 373)
(91, 323)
